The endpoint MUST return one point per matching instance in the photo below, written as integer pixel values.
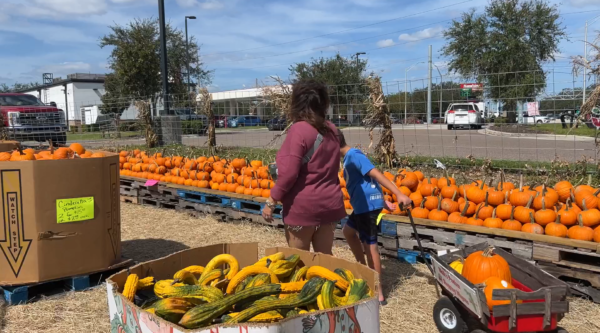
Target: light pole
(356, 55)
(187, 50)
(163, 55)
(441, 87)
(585, 56)
(405, 86)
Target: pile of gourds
(235, 176)
(273, 288)
(75, 150)
(486, 270)
(560, 211)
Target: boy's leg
(322, 238)
(374, 259)
(353, 240)
(371, 230)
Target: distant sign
(533, 109)
(472, 86)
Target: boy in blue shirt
(363, 182)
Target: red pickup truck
(29, 119)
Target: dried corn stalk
(145, 115)
(206, 109)
(280, 98)
(378, 115)
(3, 131)
(593, 66)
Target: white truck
(465, 115)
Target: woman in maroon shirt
(309, 189)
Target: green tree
(416, 105)
(135, 62)
(504, 48)
(344, 76)
(4, 88)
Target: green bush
(129, 126)
(90, 128)
(192, 127)
(501, 120)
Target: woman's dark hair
(341, 138)
(310, 102)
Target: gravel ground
(152, 233)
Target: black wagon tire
(447, 318)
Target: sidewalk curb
(536, 136)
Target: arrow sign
(14, 245)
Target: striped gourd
(307, 296)
(285, 268)
(272, 258)
(206, 279)
(243, 284)
(320, 302)
(356, 291)
(221, 260)
(259, 280)
(299, 274)
(292, 313)
(172, 309)
(131, 285)
(267, 317)
(185, 277)
(249, 271)
(250, 302)
(204, 314)
(195, 269)
(318, 271)
(146, 282)
(206, 293)
(327, 295)
(345, 273)
(292, 287)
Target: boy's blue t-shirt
(365, 192)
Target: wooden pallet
(152, 202)
(128, 199)
(22, 294)
(448, 239)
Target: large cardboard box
(60, 218)
(9, 145)
(127, 317)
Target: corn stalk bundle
(145, 116)
(378, 115)
(280, 97)
(592, 65)
(206, 109)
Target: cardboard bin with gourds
(231, 288)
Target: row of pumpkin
(561, 211)
(75, 150)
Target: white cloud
(422, 34)
(584, 3)
(385, 43)
(207, 5)
(74, 7)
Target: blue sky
(246, 41)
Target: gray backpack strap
(311, 151)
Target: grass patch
(98, 136)
(582, 130)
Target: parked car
(277, 124)
(220, 121)
(530, 120)
(29, 119)
(466, 115)
(394, 119)
(242, 121)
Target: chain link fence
(464, 121)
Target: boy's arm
(380, 178)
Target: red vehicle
(29, 119)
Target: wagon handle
(414, 227)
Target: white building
(77, 91)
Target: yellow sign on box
(74, 210)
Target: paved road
(433, 141)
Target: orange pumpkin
(492, 283)
(493, 222)
(556, 229)
(589, 217)
(532, 227)
(512, 224)
(563, 188)
(580, 231)
(568, 216)
(481, 265)
(438, 214)
(449, 205)
(420, 212)
(475, 220)
(459, 218)
(78, 148)
(544, 216)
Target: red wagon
(537, 304)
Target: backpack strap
(311, 151)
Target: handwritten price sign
(74, 210)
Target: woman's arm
(289, 162)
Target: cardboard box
(127, 317)
(60, 218)
(9, 145)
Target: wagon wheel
(447, 318)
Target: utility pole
(187, 50)
(441, 88)
(429, 71)
(163, 55)
(358, 54)
(585, 58)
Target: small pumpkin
(485, 210)
(532, 227)
(475, 220)
(522, 213)
(457, 265)
(580, 231)
(544, 216)
(504, 210)
(512, 224)
(493, 222)
(416, 198)
(563, 188)
(590, 198)
(492, 283)
(481, 265)
(589, 217)
(459, 218)
(420, 212)
(432, 202)
(556, 229)
(438, 214)
(449, 205)
(476, 194)
(568, 216)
